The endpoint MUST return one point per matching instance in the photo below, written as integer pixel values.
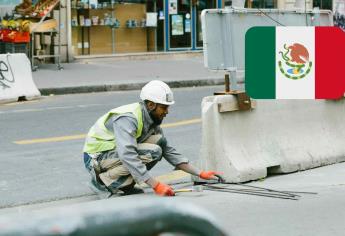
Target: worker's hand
(211, 175)
(163, 189)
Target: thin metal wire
(271, 17)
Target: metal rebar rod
(256, 194)
(300, 192)
(292, 192)
(268, 189)
(251, 186)
(256, 191)
(252, 193)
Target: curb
(128, 87)
(138, 56)
(174, 177)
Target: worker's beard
(156, 120)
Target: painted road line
(50, 140)
(82, 136)
(21, 111)
(49, 108)
(15, 103)
(180, 123)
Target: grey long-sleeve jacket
(125, 127)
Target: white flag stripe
(303, 88)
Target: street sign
(224, 31)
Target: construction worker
(128, 141)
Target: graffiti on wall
(6, 75)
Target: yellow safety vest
(100, 139)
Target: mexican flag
(295, 62)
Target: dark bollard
(136, 216)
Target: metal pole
(59, 44)
(69, 31)
(227, 83)
(113, 31)
(155, 28)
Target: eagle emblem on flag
(295, 63)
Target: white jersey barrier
(278, 136)
(16, 78)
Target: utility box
(224, 31)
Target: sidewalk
(125, 73)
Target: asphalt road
(46, 169)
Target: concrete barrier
(16, 78)
(278, 136)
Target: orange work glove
(163, 189)
(209, 174)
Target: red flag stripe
(329, 62)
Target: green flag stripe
(260, 62)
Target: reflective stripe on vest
(100, 139)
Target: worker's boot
(130, 189)
(101, 190)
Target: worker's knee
(158, 139)
(157, 153)
(162, 142)
(151, 152)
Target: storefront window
(323, 4)
(121, 26)
(156, 34)
(180, 27)
(201, 5)
(261, 4)
(109, 26)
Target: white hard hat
(158, 92)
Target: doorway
(199, 6)
(180, 24)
